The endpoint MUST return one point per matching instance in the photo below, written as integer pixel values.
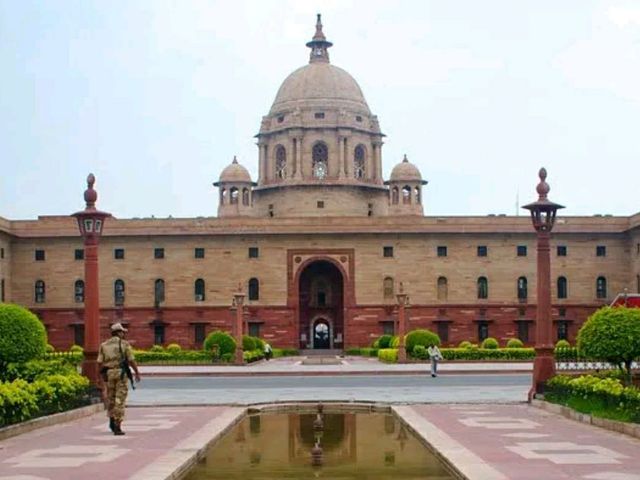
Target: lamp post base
(402, 354)
(239, 360)
(544, 367)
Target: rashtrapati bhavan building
(320, 242)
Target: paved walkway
(347, 366)
(485, 442)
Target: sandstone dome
(320, 84)
(234, 173)
(406, 171)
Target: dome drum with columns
(320, 151)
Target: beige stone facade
(321, 240)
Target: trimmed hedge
(252, 355)
(515, 343)
(603, 397)
(388, 355)
(423, 337)
(35, 369)
(248, 343)
(22, 335)
(21, 400)
(225, 342)
(466, 354)
(490, 343)
(284, 352)
(364, 351)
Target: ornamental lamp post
(238, 301)
(543, 216)
(91, 223)
(402, 303)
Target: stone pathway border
(632, 429)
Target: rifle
(125, 369)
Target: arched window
(417, 194)
(281, 162)
(522, 288)
(483, 287)
(234, 195)
(443, 288)
(78, 291)
(601, 287)
(394, 196)
(359, 162)
(320, 157)
(254, 289)
(223, 196)
(199, 290)
(245, 196)
(158, 292)
(39, 291)
(406, 194)
(387, 286)
(562, 287)
(118, 292)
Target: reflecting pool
(345, 446)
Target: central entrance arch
(321, 306)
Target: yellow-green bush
(388, 355)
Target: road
(245, 390)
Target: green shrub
(388, 355)
(174, 348)
(76, 349)
(17, 402)
(384, 341)
(248, 343)
(156, 348)
(488, 354)
(252, 355)
(34, 369)
(259, 343)
(49, 348)
(394, 342)
(376, 343)
(563, 344)
(465, 344)
(515, 343)
(22, 335)
(612, 334)
(284, 352)
(420, 351)
(490, 343)
(426, 338)
(225, 342)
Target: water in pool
(344, 446)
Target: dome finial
(405, 159)
(319, 45)
(235, 160)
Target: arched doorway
(321, 306)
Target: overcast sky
(155, 98)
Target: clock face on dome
(320, 170)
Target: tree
(612, 334)
(22, 335)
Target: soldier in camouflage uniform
(110, 356)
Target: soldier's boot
(112, 424)
(117, 430)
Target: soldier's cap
(117, 327)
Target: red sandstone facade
(320, 244)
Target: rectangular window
(78, 335)
(637, 249)
(523, 331)
(601, 251)
(388, 327)
(443, 331)
(158, 253)
(79, 254)
(158, 335)
(118, 253)
(442, 251)
(198, 252)
(387, 252)
(638, 283)
(562, 331)
(319, 115)
(562, 250)
(40, 255)
(199, 333)
(482, 250)
(358, 118)
(483, 331)
(1, 252)
(2, 290)
(254, 329)
(522, 250)
(320, 204)
(254, 252)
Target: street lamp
(238, 301)
(402, 303)
(91, 223)
(543, 216)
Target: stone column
(299, 173)
(377, 160)
(341, 169)
(347, 158)
(261, 160)
(268, 176)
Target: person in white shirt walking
(435, 356)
